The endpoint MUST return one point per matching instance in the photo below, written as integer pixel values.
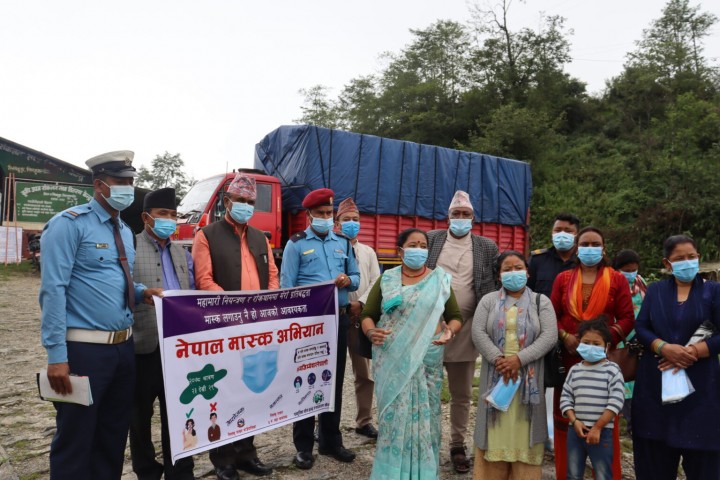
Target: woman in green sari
(410, 314)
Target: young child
(592, 396)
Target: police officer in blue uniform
(316, 255)
(547, 263)
(87, 298)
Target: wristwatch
(572, 422)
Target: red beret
(318, 198)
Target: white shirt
(367, 263)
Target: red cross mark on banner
(213, 407)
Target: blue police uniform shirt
(83, 283)
(314, 259)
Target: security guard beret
(318, 198)
(115, 164)
(162, 198)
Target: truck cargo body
(395, 184)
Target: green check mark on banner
(187, 415)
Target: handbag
(358, 342)
(554, 370)
(627, 357)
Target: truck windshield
(197, 198)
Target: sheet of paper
(81, 393)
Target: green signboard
(38, 202)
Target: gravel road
(27, 424)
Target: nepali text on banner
(238, 364)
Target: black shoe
(254, 466)
(341, 454)
(367, 430)
(304, 460)
(460, 462)
(227, 472)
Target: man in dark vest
(158, 263)
(231, 255)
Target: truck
(396, 185)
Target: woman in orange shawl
(591, 289)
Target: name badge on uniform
(308, 252)
(339, 250)
(102, 245)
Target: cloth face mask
(631, 276)
(591, 353)
(322, 225)
(164, 227)
(590, 256)
(241, 212)
(685, 270)
(121, 196)
(350, 228)
(514, 281)
(563, 241)
(415, 258)
(460, 226)
(259, 370)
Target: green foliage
(166, 171)
(641, 160)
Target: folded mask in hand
(675, 386)
(502, 394)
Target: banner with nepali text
(238, 364)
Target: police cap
(115, 164)
(318, 198)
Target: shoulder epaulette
(75, 212)
(539, 251)
(298, 236)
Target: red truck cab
(203, 204)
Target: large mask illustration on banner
(259, 370)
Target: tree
(513, 62)
(166, 170)
(318, 109)
(674, 43)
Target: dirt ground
(27, 423)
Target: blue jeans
(601, 455)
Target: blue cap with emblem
(115, 164)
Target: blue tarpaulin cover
(392, 176)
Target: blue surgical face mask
(259, 370)
(460, 226)
(322, 225)
(350, 228)
(241, 212)
(631, 276)
(563, 241)
(590, 256)
(121, 196)
(514, 281)
(685, 270)
(591, 353)
(415, 258)
(164, 227)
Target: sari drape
(408, 377)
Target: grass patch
(22, 268)
(33, 476)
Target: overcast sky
(209, 79)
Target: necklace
(414, 276)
